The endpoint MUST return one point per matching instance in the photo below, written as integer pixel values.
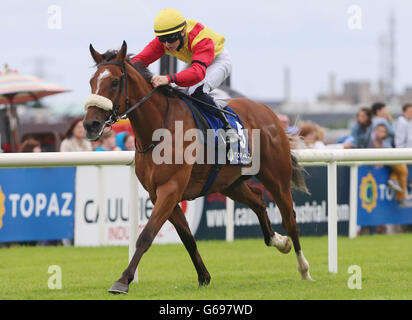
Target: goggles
(170, 38)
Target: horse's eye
(115, 82)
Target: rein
(114, 117)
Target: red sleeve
(203, 56)
(152, 52)
(204, 51)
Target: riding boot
(231, 134)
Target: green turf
(244, 269)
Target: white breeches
(216, 73)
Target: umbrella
(18, 88)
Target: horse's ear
(123, 51)
(98, 58)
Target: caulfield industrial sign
(36, 204)
(311, 210)
(92, 229)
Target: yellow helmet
(168, 21)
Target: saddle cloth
(212, 135)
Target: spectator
(75, 138)
(361, 131)
(75, 141)
(403, 128)
(399, 173)
(403, 139)
(125, 141)
(291, 131)
(379, 136)
(320, 137)
(128, 142)
(108, 142)
(284, 119)
(312, 135)
(382, 116)
(30, 145)
(120, 139)
(33, 145)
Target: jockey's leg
(231, 133)
(218, 71)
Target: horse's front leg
(168, 196)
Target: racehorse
(116, 85)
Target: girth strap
(211, 179)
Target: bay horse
(116, 85)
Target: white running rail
(308, 157)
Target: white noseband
(98, 101)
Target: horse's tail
(298, 178)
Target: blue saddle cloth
(238, 153)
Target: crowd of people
(398, 134)
(75, 139)
(374, 128)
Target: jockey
(199, 47)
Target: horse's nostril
(95, 125)
(92, 126)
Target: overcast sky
(312, 38)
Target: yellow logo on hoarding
(2, 207)
(368, 192)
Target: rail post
(332, 217)
(230, 225)
(353, 201)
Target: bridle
(114, 116)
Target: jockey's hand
(159, 81)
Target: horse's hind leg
(180, 223)
(253, 198)
(280, 189)
(285, 203)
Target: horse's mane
(141, 69)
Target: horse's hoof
(306, 276)
(287, 247)
(118, 288)
(203, 282)
(303, 266)
(282, 243)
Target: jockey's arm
(152, 52)
(203, 55)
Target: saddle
(236, 153)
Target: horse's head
(109, 91)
